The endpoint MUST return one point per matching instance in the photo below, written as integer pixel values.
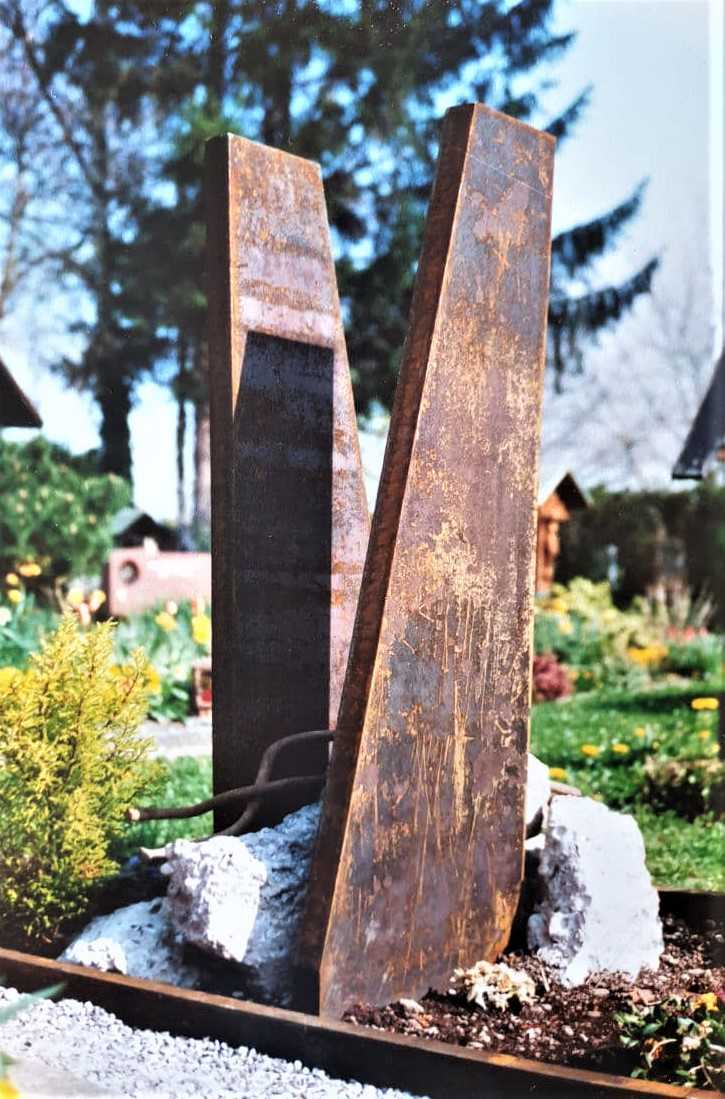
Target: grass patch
(600, 741)
(183, 781)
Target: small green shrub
(55, 517)
(182, 781)
(680, 1040)
(688, 786)
(72, 763)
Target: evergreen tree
(360, 88)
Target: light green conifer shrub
(71, 763)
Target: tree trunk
(114, 400)
(202, 470)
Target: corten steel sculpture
(419, 856)
(289, 516)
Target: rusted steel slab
(289, 515)
(414, 1065)
(419, 856)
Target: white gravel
(94, 1045)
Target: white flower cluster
(490, 984)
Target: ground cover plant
(72, 763)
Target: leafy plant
(72, 764)
(173, 637)
(689, 786)
(550, 678)
(181, 781)
(54, 518)
(680, 1040)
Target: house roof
(15, 408)
(707, 433)
(556, 478)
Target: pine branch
(574, 249)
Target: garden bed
(573, 1026)
(423, 1066)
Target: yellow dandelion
(12, 579)
(201, 629)
(558, 774)
(620, 748)
(29, 568)
(8, 1089)
(75, 597)
(166, 621)
(640, 731)
(153, 680)
(708, 1000)
(15, 596)
(705, 704)
(704, 734)
(590, 750)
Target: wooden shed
(15, 408)
(559, 496)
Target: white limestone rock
(598, 908)
(538, 793)
(137, 940)
(242, 898)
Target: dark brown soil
(571, 1026)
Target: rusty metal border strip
(419, 1066)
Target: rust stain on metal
(419, 857)
(289, 515)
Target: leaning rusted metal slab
(419, 856)
(289, 515)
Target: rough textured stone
(538, 792)
(598, 908)
(137, 940)
(242, 898)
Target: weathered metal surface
(289, 516)
(419, 856)
(418, 1066)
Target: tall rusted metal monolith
(419, 857)
(289, 515)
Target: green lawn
(618, 730)
(600, 742)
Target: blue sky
(656, 112)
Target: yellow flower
(29, 568)
(96, 599)
(8, 1089)
(558, 774)
(640, 731)
(590, 750)
(75, 597)
(556, 606)
(8, 679)
(704, 734)
(92, 520)
(12, 579)
(620, 748)
(650, 654)
(166, 621)
(153, 680)
(708, 1000)
(705, 704)
(566, 626)
(201, 629)
(15, 596)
